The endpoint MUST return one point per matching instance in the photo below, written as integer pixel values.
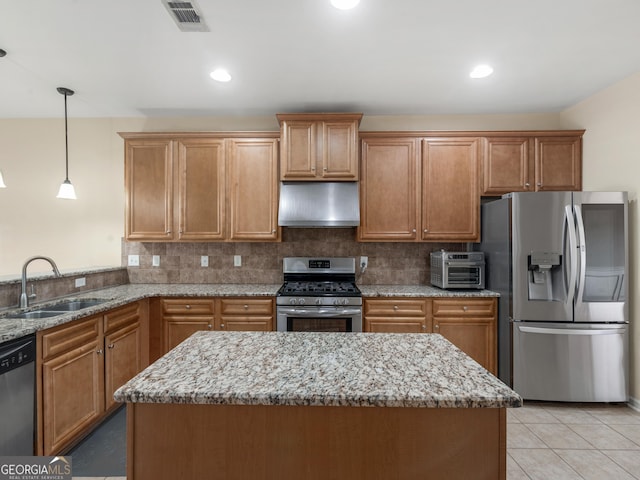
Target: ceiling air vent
(186, 16)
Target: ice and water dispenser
(545, 276)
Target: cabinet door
(558, 163)
(388, 189)
(450, 199)
(507, 166)
(201, 189)
(299, 150)
(340, 150)
(123, 359)
(149, 189)
(176, 330)
(253, 189)
(474, 336)
(73, 394)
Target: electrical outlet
(204, 260)
(364, 263)
(81, 282)
(237, 260)
(155, 261)
(134, 260)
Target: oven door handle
(327, 312)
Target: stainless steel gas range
(319, 295)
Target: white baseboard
(634, 403)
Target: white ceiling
(128, 57)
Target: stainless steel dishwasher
(17, 396)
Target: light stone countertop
(318, 369)
(11, 328)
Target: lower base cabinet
(469, 323)
(79, 366)
(182, 317)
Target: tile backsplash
(389, 263)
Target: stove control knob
(340, 301)
(318, 301)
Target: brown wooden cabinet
(471, 325)
(124, 353)
(389, 189)
(201, 187)
(319, 146)
(149, 173)
(79, 366)
(72, 390)
(532, 161)
(406, 190)
(450, 197)
(246, 314)
(253, 189)
(182, 317)
(397, 315)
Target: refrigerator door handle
(582, 249)
(573, 258)
(570, 331)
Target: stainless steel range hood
(319, 204)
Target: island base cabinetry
(169, 441)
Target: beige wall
(611, 161)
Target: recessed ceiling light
(220, 75)
(345, 4)
(481, 71)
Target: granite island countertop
(318, 369)
(11, 328)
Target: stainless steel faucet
(24, 299)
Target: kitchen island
(240, 405)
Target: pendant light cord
(66, 141)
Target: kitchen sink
(59, 308)
(35, 314)
(73, 305)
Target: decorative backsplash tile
(390, 263)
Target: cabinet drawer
(121, 317)
(395, 307)
(70, 336)
(188, 306)
(246, 306)
(464, 307)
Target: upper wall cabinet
(319, 146)
(201, 187)
(532, 162)
(410, 193)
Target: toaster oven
(457, 269)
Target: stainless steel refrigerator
(560, 263)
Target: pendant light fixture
(66, 189)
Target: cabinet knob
(425, 230)
(436, 326)
(539, 184)
(465, 308)
(209, 326)
(187, 307)
(527, 184)
(245, 306)
(222, 325)
(111, 345)
(168, 231)
(99, 352)
(273, 231)
(424, 327)
(395, 307)
(325, 169)
(414, 230)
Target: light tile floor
(553, 441)
(573, 442)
